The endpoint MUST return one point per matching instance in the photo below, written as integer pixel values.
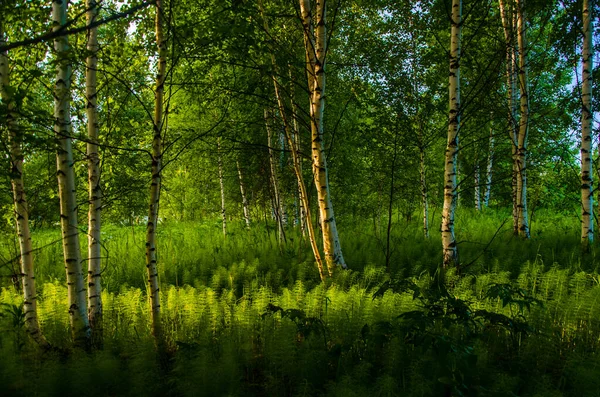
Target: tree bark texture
(316, 48)
(489, 169)
(450, 254)
(66, 181)
(94, 189)
(587, 180)
(297, 163)
(222, 186)
(523, 122)
(245, 205)
(278, 205)
(156, 169)
(15, 139)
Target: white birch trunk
(245, 206)
(523, 122)
(477, 187)
(587, 180)
(222, 185)
(151, 259)
(489, 169)
(277, 207)
(450, 256)
(66, 181)
(296, 142)
(94, 190)
(508, 17)
(316, 48)
(424, 199)
(32, 325)
(297, 162)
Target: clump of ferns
(13, 324)
(445, 328)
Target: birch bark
(66, 181)
(94, 190)
(587, 181)
(222, 186)
(316, 48)
(156, 168)
(508, 17)
(523, 122)
(15, 138)
(450, 256)
(245, 206)
(278, 208)
(489, 168)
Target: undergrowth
(249, 317)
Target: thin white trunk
(316, 48)
(277, 204)
(477, 187)
(245, 206)
(32, 325)
(523, 122)
(151, 259)
(587, 180)
(289, 134)
(489, 168)
(66, 181)
(450, 192)
(509, 17)
(222, 185)
(296, 142)
(94, 190)
(424, 199)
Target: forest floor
(246, 316)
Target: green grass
(220, 300)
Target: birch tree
(278, 205)
(245, 205)
(508, 17)
(151, 266)
(315, 41)
(450, 256)
(94, 189)
(523, 218)
(489, 169)
(21, 210)
(222, 187)
(296, 160)
(587, 181)
(66, 180)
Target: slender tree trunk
(508, 17)
(66, 181)
(296, 142)
(244, 198)
(523, 122)
(277, 207)
(151, 265)
(15, 138)
(477, 187)
(297, 164)
(424, 198)
(316, 47)
(587, 179)
(448, 238)
(488, 174)
(388, 248)
(94, 190)
(222, 185)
